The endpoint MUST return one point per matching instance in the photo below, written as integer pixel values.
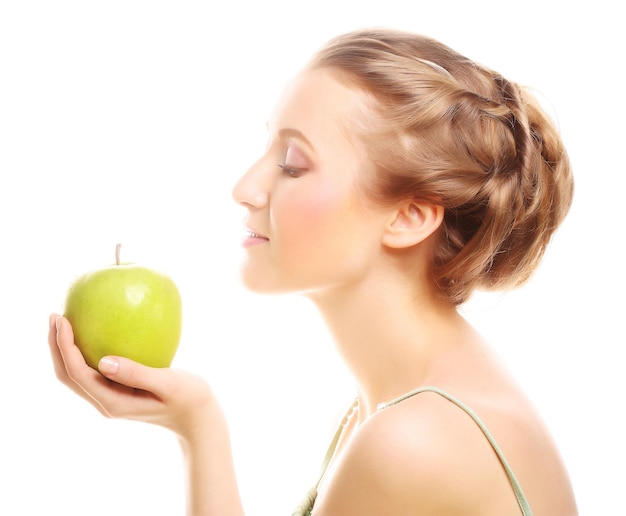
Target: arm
(166, 397)
(211, 482)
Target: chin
(263, 284)
(259, 283)
(269, 280)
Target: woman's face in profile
(309, 228)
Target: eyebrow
(289, 132)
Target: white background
(130, 120)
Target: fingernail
(108, 365)
(58, 322)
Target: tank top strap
(306, 506)
(517, 488)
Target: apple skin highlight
(125, 310)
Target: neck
(391, 338)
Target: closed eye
(292, 171)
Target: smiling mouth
(252, 234)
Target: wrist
(211, 481)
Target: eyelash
(291, 171)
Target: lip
(253, 238)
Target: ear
(411, 223)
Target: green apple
(125, 310)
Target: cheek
(320, 206)
(311, 215)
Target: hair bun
(448, 130)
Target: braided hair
(447, 130)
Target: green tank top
(306, 506)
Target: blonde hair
(450, 131)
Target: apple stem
(117, 253)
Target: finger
(57, 360)
(71, 357)
(70, 366)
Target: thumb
(130, 373)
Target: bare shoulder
(421, 456)
(427, 456)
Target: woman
(399, 177)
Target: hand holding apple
(125, 310)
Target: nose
(252, 189)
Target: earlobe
(412, 223)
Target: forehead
(319, 106)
